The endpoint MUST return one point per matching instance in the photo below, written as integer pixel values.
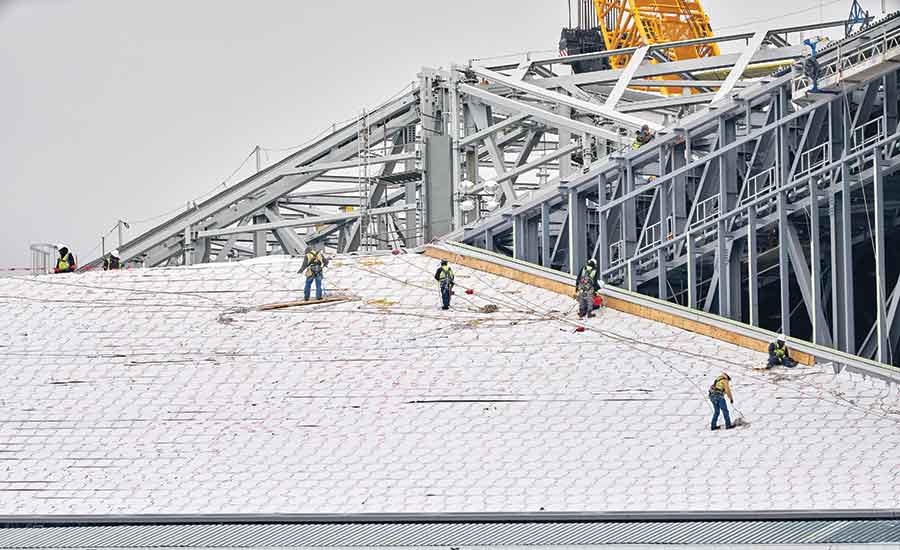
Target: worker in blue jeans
(717, 393)
(314, 263)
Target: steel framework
(757, 200)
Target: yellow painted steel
(632, 23)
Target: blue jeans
(445, 296)
(719, 404)
(308, 287)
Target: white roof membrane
(161, 392)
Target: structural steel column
(815, 264)
(881, 330)
(846, 238)
(603, 232)
(691, 271)
(752, 266)
(259, 237)
(545, 235)
(782, 165)
(577, 232)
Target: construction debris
(301, 303)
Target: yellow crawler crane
(632, 23)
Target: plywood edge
(618, 304)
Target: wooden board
(301, 303)
(618, 304)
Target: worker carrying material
(587, 288)
(111, 261)
(314, 264)
(778, 353)
(444, 275)
(66, 261)
(642, 137)
(717, 393)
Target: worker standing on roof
(587, 287)
(314, 263)
(778, 353)
(66, 261)
(444, 275)
(111, 261)
(717, 393)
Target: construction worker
(778, 353)
(66, 261)
(642, 137)
(587, 285)
(111, 261)
(444, 275)
(717, 393)
(314, 263)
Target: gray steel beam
(491, 130)
(552, 119)
(633, 65)
(356, 163)
(803, 274)
(737, 71)
(560, 99)
(302, 222)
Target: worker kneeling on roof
(444, 275)
(66, 261)
(111, 261)
(778, 353)
(717, 392)
(314, 263)
(587, 289)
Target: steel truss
(757, 200)
(772, 205)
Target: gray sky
(114, 109)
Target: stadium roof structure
(172, 395)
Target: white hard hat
(114, 252)
(782, 337)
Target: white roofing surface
(151, 391)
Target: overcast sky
(121, 109)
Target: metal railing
(617, 251)
(758, 185)
(813, 159)
(706, 210)
(867, 134)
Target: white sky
(113, 109)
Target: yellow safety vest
(719, 385)
(312, 258)
(445, 273)
(62, 264)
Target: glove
(732, 401)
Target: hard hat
(443, 262)
(58, 245)
(114, 252)
(592, 261)
(725, 374)
(782, 337)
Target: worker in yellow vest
(778, 353)
(314, 264)
(66, 261)
(444, 275)
(717, 393)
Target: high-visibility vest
(445, 273)
(62, 264)
(719, 385)
(314, 259)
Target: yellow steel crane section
(633, 23)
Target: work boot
(714, 428)
(445, 307)
(729, 427)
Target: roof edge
(499, 517)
